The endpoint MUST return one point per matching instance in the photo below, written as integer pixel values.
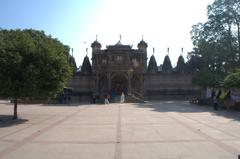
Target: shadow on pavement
(7, 121)
(186, 107)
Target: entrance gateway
(120, 68)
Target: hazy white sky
(164, 23)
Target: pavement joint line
(218, 143)
(20, 143)
(86, 124)
(118, 149)
(30, 125)
(207, 125)
(122, 142)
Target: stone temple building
(120, 68)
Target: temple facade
(121, 69)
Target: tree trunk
(15, 109)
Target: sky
(161, 23)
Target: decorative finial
(120, 37)
(72, 52)
(96, 37)
(168, 50)
(182, 51)
(142, 37)
(153, 50)
(86, 51)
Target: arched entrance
(119, 84)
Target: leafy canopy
(217, 41)
(232, 80)
(32, 64)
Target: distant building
(120, 68)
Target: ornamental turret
(96, 46)
(86, 66)
(142, 46)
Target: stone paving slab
(63, 151)
(152, 130)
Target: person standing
(106, 101)
(215, 104)
(122, 99)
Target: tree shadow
(7, 121)
(66, 105)
(186, 107)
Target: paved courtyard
(152, 130)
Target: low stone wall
(170, 86)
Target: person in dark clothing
(215, 104)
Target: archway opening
(119, 84)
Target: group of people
(108, 97)
(224, 98)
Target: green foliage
(217, 41)
(152, 65)
(232, 80)
(211, 79)
(32, 64)
(193, 64)
(167, 66)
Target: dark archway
(119, 84)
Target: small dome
(152, 65)
(86, 65)
(96, 44)
(142, 43)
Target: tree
(217, 41)
(232, 80)
(32, 64)
(211, 79)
